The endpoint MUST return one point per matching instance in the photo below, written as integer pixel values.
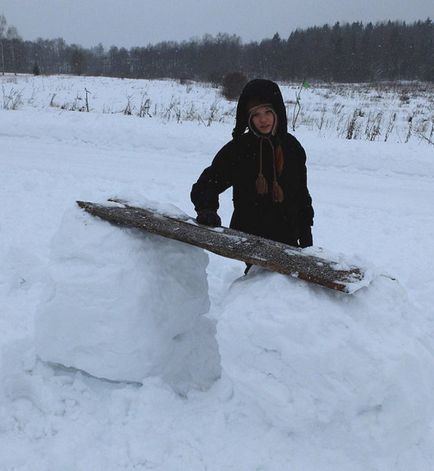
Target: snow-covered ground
(308, 379)
(400, 112)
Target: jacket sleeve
(305, 209)
(214, 180)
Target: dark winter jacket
(236, 165)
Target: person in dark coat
(266, 168)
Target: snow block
(124, 306)
(348, 374)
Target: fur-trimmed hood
(265, 91)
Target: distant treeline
(343, 53)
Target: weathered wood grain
(248, 248)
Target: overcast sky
(139, 22)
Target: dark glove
(305, 238)
(208, 218)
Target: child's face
(263, 119)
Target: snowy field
(400, 112)
(194, 367)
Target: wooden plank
(227, 242)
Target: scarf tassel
(277, 193)
(261, 185)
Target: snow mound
(124, 305)
(348, 374)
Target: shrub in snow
(124, 305)
(232, 85)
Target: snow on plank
(248, 248)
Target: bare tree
(77, 60)
(12, 35)
(3, 24)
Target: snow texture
(125, 306)
(343, 373)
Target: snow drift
(344, 373)
(123, 305)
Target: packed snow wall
(348, 378)
(326, 380)
(124, 305)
